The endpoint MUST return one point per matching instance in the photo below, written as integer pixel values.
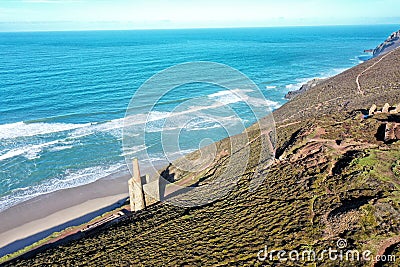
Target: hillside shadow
(380, 133)
(22, 243)
(391, 118)
(169, 178)
(167, 175)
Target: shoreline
(309, 83)
(37, 218)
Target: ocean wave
(226, 97)
(202, 124)
(142, 118)
(157, 121)
(270, 86)
(22, 129)
(273, 104)
(68, 180)
(362, 58)
(155, 115)
(60, 148)
(113, 127)
(304, 80)
(240, 95)
(292, 87)
(332, 72)
(133, 150)
(30, 152)
(199, 123)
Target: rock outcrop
(392, 132)
(392, 42)
(305, 87)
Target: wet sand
(37, 218)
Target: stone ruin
(392, 128)
(143, 190)
(392, 132)
(385, 109)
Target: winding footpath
(360, 91)
(367, 69)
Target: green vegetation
(50, 238)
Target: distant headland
(391, 43)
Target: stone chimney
(136, 195)
(143, 190)
(372, 110)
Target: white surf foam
(299, 83)
(113, 127)
(226, 97)
(202, 124)
(134, 150)
(68, 180)
(156, 120)
(292, 86)
(21, 129)
(333, 72)
(29, 151)
(324, 75)
(154, 115)
(60, 148)
(76, 131)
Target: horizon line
(195, 28)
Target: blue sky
(28, 15)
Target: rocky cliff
(308, 85)
(392, 42)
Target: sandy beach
(41, 216)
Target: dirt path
(367, 69)
(288, 124)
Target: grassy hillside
(333, 178)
